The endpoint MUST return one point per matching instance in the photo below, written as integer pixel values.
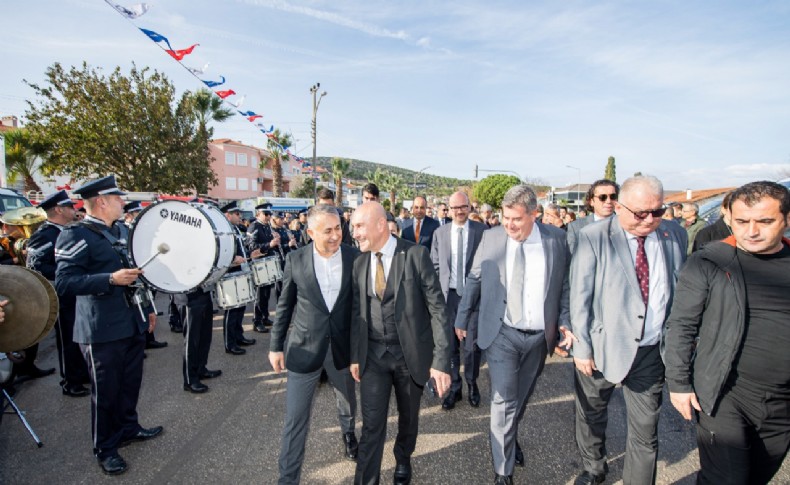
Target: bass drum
(198, 242)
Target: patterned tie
(642, 268)
(515, 294)
(417, 230)
(459, 264)
(381, 283)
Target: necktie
(515, 294)
(381, 283)
(417, 231)
(642, 268)
(459, 264)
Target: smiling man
(601, 198)
(727, 341)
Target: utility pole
(316, 102)
(578, 184)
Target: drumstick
(161, 249)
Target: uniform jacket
(260, 235)
(427, 226)
(41, 250)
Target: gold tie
(417, 231)
(381, 283)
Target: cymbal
(31, 310)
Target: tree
(392, 183)
(277, 140)
(92, 125)
(21, 157)
(206, 107)
(339, 168)
(491, 190)
(611, 172)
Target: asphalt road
(232, 433)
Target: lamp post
(578, 184)
(316, 102)
(414, 183)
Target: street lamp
(414, 184)
(578, 184)
(316, 102)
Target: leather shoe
(503, 480)
(154, 344)
(474, 395)
(519, 455)
(451, 399)
(402, 475)
(210, 374)
(260, 328)
(235, 351)
(268, 323)
(350, 440)
(587, 478)
(196, 388)
(113, 465)
(246, 341)
(34, 373)
(143, 435)
(75, 390)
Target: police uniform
(41, 258)
(232, 322)
(108, 328)
(282, 251)
(259, 236)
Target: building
(571, 196)
(240, 174)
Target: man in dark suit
(452, 252)
(623, 278)
(326, 196)
(443, 217)
(399, 338)
(519, 285)
(717, 231)
(316, 303)
(601, 197)
(421, 230)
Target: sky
(696, 93)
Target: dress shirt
(454, 252)
(329, 273)
(535, 279)
(388, 252)
(658, 294)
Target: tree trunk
(277, 175)
(339, 191)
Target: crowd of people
(640, 294)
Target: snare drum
(234, 290)
(274, 269)
(261, 275)
(200, 240)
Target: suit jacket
(313, 326)
(574, 228)
(419, 311)
(607, 310)
(442, 251)
(488, 271)
(427, 226)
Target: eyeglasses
(642, 215)
(444, 210)
(459, 207)
(604, 197)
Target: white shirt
(535, 279)
(388, 252)
(329, 273)
(454, 251)
(658, 291)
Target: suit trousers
(231, 325)
(642, 389)
(380, 376)
(746, 440)
(299, 404)
(73, 370)
(471, 352)
(515, 360)
(198, 323)
(116, 370)
(261, 313)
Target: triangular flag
(238, 103)
(225, 94)
(180, 54)
(132, 12)
(213, 84)
(198, 72)
(157, 37)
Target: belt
(527, 332)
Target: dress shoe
(113, 465)
(176, 328)
(451, 399)
(474, 395)
(267, 322)
(235, 351)
(402, 475)
(587, 478)
(153, 344)
(34, 373)
(519, 455)
(75, 390)
(246, 341)
(350, 440)
(210, 374)
(260, 328)
(144, 434)
(503, 480)
(196, 388)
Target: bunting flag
(180, 54)
(157, 37)
(263, 128)
(196, 71)
(250, 115)
(213, 84)
(240, 101)
(132, 12)
(225, 94)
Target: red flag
(254, 117)
(225, 94)
(179, 54)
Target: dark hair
(600, 183)
(371, 189)
(754, 192)
(324, 193)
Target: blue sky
(697, 93)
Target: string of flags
(133, 12)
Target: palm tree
(275, 144)
(207, 107)
(21, 156)
(392, 183)
(339, 168)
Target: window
(230, 158)
(242, 183)
(230, 183)
(241, 160)
(254, 160)
(254, 184)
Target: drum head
(199, 246)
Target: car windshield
(11, 202)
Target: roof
(696, 195)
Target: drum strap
(118, 244)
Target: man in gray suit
(601, 197)
(523, 267)
(623, 278)
(316, 303)
(453, 249)
(399, 339)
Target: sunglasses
(605, 197)
(642, 215)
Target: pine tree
(611, 172)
